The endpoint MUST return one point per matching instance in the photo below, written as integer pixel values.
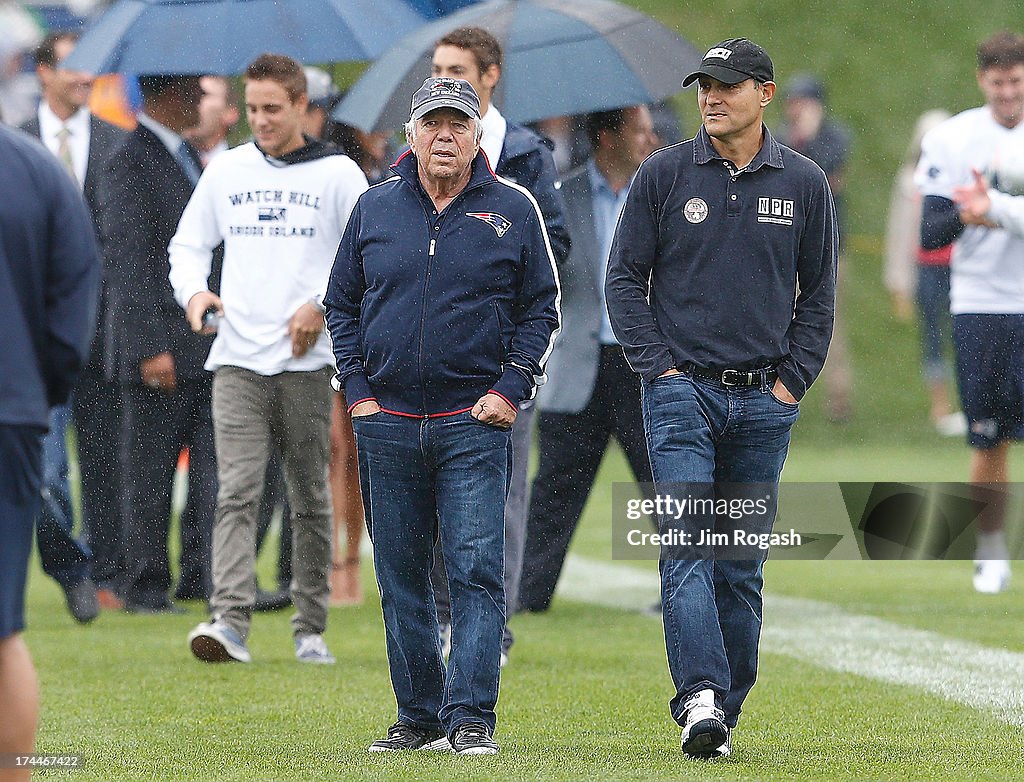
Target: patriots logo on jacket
(498, 222)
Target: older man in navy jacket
(442, 306)
(49, 277)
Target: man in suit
(591, 393)
(150, 350)
(82, 143)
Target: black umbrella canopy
(561, 57)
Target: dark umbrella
(223, 36)
(561, 57)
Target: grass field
(585, 697)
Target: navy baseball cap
(443, 92)
(733, 61)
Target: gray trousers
(516, 508)
(252, 414)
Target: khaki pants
(252, 414)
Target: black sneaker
(403, 737)
(473, 738)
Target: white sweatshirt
(281, 226)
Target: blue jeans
(421, 478)
(64, 558)
(701, 432)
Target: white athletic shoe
(991, 576)
(311, 648)
(217, 642)
(952, 425)
(704, 731)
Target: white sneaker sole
(316, 660)
(478, 751)
(440, 745)
(208, 645)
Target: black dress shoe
(82, 602)
(271, 601)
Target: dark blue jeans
(701, 432)
(421, 478)
(64, 558)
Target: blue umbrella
(561, 57)
(223, 36)
(434, 8)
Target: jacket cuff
(508, 401)
(793, 384)
(357, 389)
(513, 387)
(659, 370)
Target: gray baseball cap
(442, 92)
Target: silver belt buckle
(733, 377)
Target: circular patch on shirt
(696, 210)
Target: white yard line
(822, 634)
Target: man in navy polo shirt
(720, 235)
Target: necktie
(188, 163)
(64, 151)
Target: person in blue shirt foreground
(49, 289)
